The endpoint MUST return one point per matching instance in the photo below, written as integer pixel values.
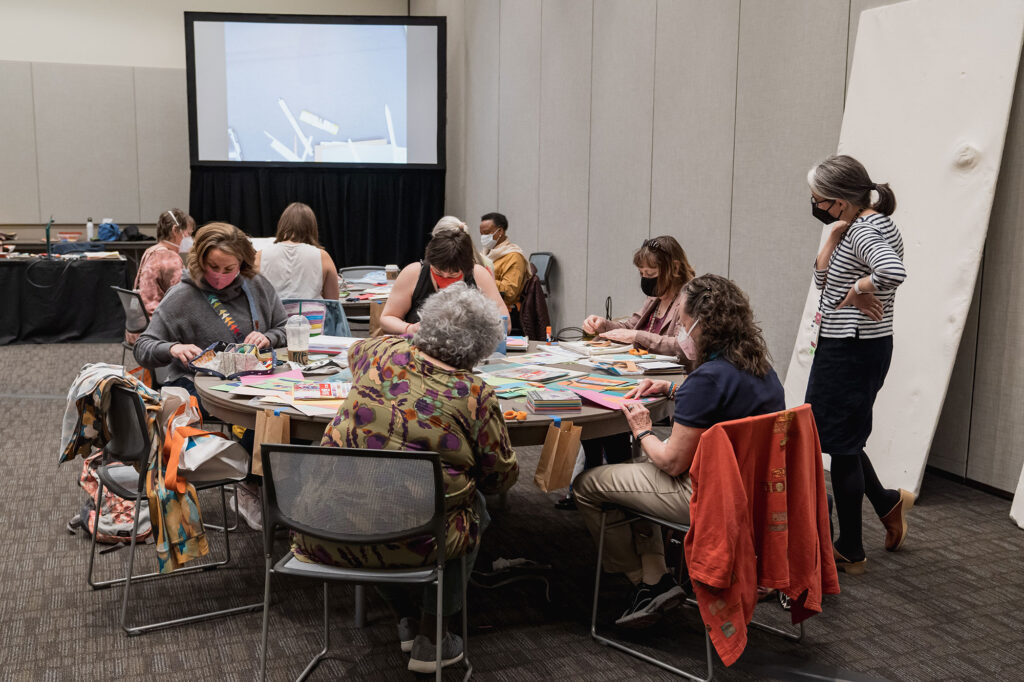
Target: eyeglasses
(815, 202)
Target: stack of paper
(517, 343)
(550, 400)
(330, 345)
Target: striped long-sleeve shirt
(872, 246)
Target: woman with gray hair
(421, 394)
(858, 270)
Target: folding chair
(130, 442)
(354, 496)
(542, 261)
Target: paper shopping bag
(558, 457)
(269, 429)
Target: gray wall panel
(565, 153)
(482, 75)
(997, 430)
(19, 180)
(788, 114)
(519, 119)
(694, 108)
(86, 142)
(622, 110)
(161, 119)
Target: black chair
(543, 261)
(136, 319)
(130, 443)
(353, 496)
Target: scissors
(514, 416)
(637, 351)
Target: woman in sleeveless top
(295, 263)
(448, 259)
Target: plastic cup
(297, 332)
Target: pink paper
(612, 402)
(257, 378)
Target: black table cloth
(57, 301)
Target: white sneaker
(421, 660)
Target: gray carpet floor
(947, 607)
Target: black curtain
(366, 217)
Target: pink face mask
(219, 280)
(686, 343)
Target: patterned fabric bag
(113, 523)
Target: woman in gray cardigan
(221, 297)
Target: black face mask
(822, 214)
(649, 285)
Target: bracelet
(644, 434)
(407, 325)
(856, 287)
(671, 389)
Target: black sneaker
(650, 601)
(422, 657)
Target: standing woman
(857, 270)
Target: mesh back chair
(353, 496)
(129, 443)
(543, 260)
(136, 319)
(325, 317)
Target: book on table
(552, 400)
(324, 390)
(531, 373)
(594, 347)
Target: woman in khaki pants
(732, 378)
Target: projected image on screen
(322, 93)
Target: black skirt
(845, 378)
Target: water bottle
(501, 349)
(88, 229)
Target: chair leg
(359, 619)
(142, 629)
(438, 626)
(234, 526)
(465, 622)
(327, 643)
(623, 647)
(266, 620)
(92, 544)
(157, 575)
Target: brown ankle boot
(895, 521)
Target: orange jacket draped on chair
(758, 516)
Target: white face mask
(686, 342)
(185, 246)
(487, 241)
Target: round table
(594, 421)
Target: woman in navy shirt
(732, 379)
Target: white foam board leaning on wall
(926, 111)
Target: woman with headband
(160, 266)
